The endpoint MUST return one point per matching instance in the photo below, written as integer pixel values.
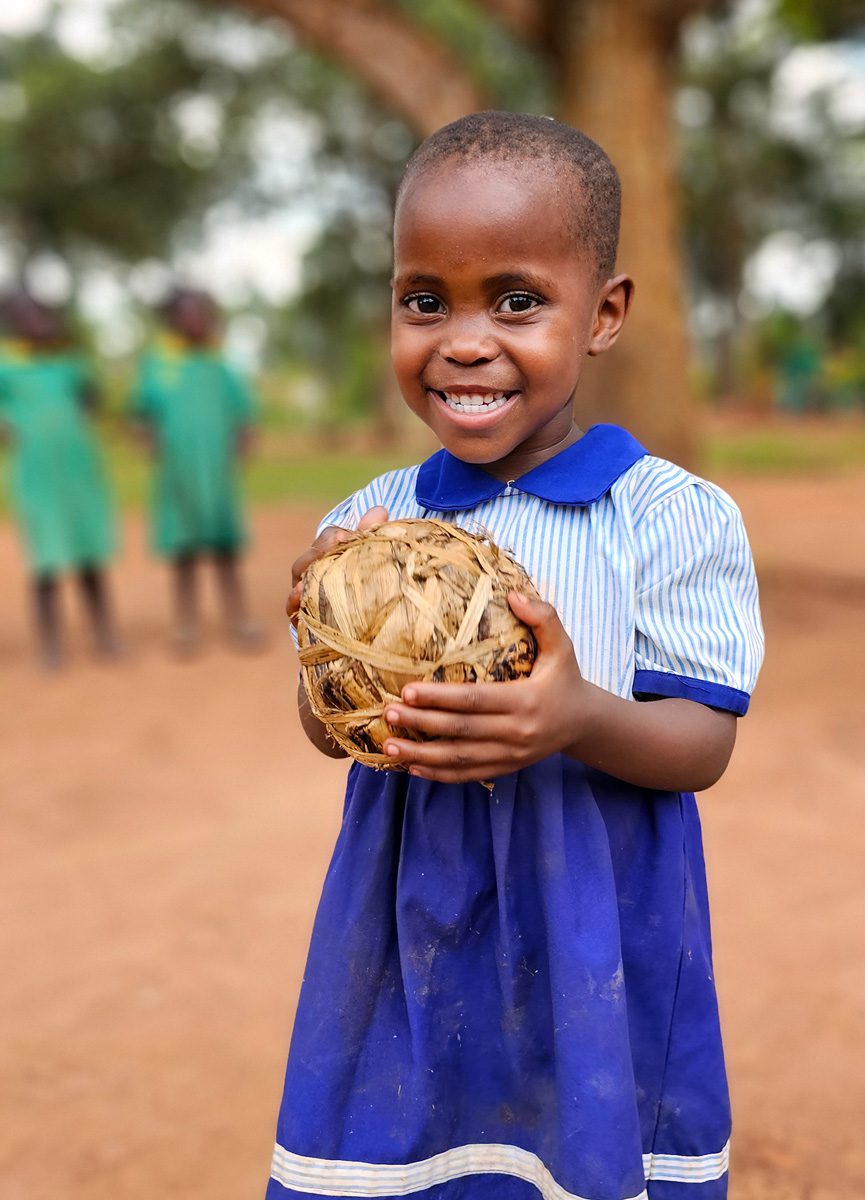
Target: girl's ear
(614, 300)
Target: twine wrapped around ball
(405, 601)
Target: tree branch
(525, 19)
(406, 68)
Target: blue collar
(580, 474)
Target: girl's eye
(425, 304)
(519, 302)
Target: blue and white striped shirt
(647, 565)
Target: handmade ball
(408, 600)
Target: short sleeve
(349, 512)
(698, 631)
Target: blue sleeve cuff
(715, 695)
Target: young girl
(196, 414)
(58, 483)
(510, 994)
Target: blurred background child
(196, 414)
(57, 480)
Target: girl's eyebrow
(518, 279)
(416, 280)
(504, 279)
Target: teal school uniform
(58, 484)
(196, 406)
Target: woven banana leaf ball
(405, 601)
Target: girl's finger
(373, 516)
(443, 753)
(464, 697)
(292, 604)
(480, 773)
(328, 538)
(542, 619)
(437, 723)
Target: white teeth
(476, 402)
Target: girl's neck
(526, 457)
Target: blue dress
(509, 994)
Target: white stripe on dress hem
(687, 1168)
(343, 1177)
(332, 1177)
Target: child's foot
(108, 646)
(247, 635)
(51, 659)
(186, 640)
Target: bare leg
(186, 625)
(242, 628)
(95, 593)
(46, 612)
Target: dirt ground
(164, 830)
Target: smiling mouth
(473, 402)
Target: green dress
(57, 478)
(196, 406)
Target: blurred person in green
(800, 368)
(58, 484)
(196, 415)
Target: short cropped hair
(168, 306)
(587, 176)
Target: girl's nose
(466, 343)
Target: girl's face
(34, 322)
(194, 317)
(495, 308)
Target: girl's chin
(485, 453)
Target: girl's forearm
(314, 729)
(669, 745)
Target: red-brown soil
(164, 829)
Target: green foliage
(512, 74)
(97, 162)
(87, 142)
(747, 175)
(817, 20)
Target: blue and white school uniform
(509, 994)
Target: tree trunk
(617, 88)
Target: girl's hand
(482, 730)
(329, 537)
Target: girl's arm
(314, 729)
(244, 441)
(89, 396)
(488, 729)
